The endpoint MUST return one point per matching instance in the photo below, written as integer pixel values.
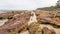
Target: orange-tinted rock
(16, 24)
(45, 30)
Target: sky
(25, 4)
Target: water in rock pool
(3, 21)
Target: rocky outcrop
(20, 22)
(16, 25)
(45, 30)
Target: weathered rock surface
(19, 22)
(45, 30)
(15, 25)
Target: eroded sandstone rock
(17, 24)
(34, 28)
(45, 30)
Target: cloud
(45, 3)
(25, 4)
(17, 4)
